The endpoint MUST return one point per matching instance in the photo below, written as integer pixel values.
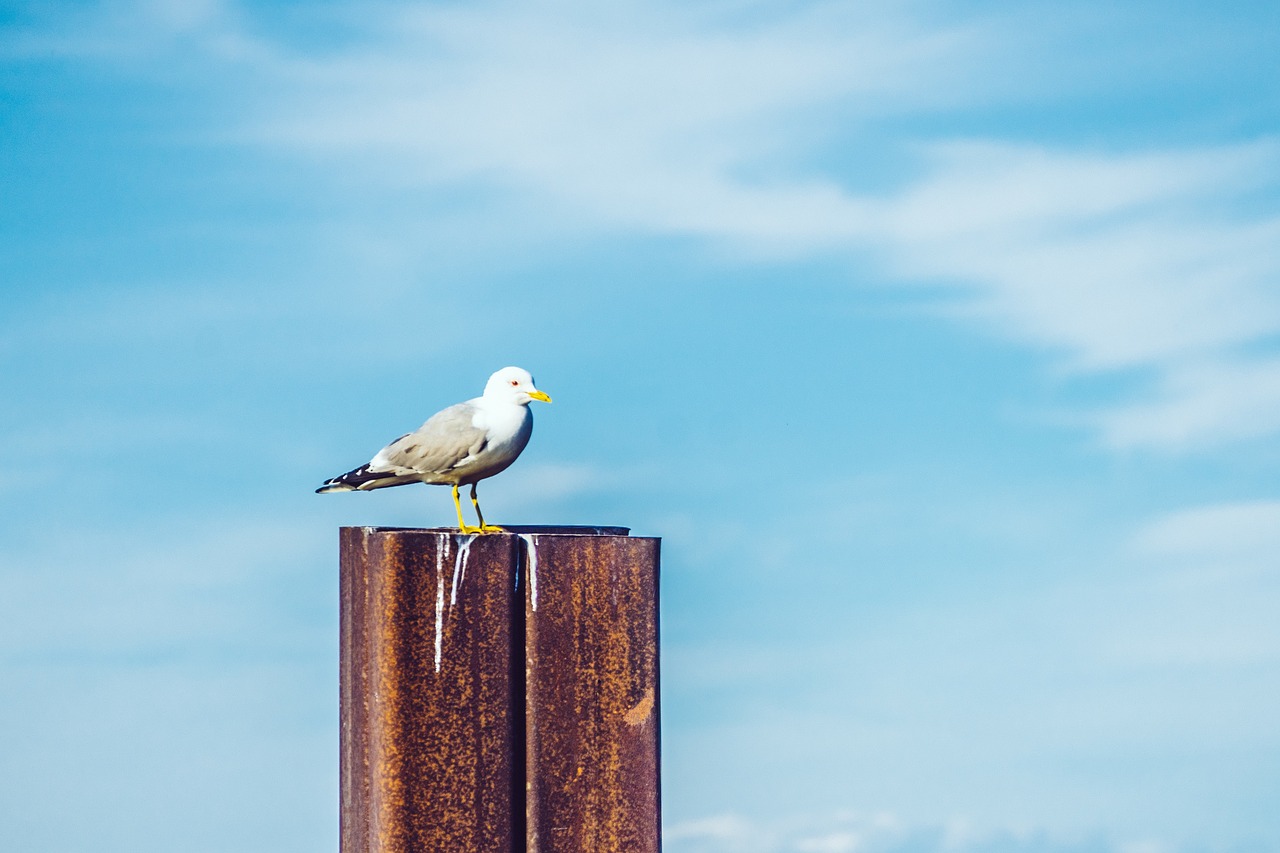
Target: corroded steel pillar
(499, 692)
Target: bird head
(515, 384)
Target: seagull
(458, 446)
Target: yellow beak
(538, 395)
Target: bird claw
(468, 530)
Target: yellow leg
(484, 528)
(457, 504)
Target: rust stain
(640, 714)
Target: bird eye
(515, 382)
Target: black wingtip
(334, 484)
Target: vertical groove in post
(532, 782)
(431, 728)
(591, 694)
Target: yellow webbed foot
(468, 530)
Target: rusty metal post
(499, 693)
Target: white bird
(460, 445)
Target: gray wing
(444, 442)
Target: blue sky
(939, 342)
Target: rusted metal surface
(432, 693)
(591, 701)
(499, 693)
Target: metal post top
(513, 530)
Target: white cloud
(1113, 262)
(532, 489)
(1212, 601)
(834, 842)
(724, 827)
(1247, 532)
(1107, 258)
(1110, 261)
(861, 832)
(1209, 402)
(634, 118)
(703, 121)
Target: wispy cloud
(1245, 533)
(1157, 262)
(670, 120)
(1143, 262)
(194, 585)
(878, 832)
(1117, 260)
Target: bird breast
(507, 431)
